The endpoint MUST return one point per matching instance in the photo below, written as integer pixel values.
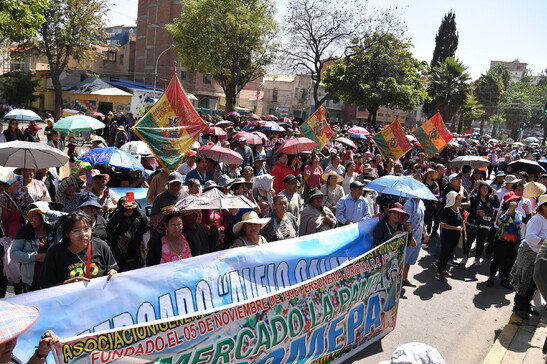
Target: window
(207, 79)
(274, 95)
(303, 94)
(121, 58)
(183, 74)
(109, 56)
(380, 114)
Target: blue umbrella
(402, 186)
(358, 136)
(111, 156)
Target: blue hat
(89, 199)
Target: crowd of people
(76, 228)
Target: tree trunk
(482, 125)
(374, 112)
(58, 90)
(460, 124)
(231, 96)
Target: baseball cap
(175, 177)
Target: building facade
(516, 68)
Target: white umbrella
(137, 147)
(531, 140)
(22, 115)
(346, 141)
(468, 160)
(30, 155)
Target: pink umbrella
(262, 135)
(358, 130)
(271, 117)
(251, 138)
(96, 113)
(234, 113)
(214, 130)
(224, 123)
(297, 145)
(221, 154)
(254, 116)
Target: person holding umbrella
(415, 209)
(15, 320)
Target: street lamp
(157, 61)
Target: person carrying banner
(248, 230)
(79, 256)
(391, 223)
(15, 320)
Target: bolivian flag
(171, 126)
(433, 135)
(317, 129)
(392, 141)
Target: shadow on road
(372, 349)
(487, 297)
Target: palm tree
(469, 111)
(488, 91)
(448, 87)
(496, 121)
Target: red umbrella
(262, 135)
(214, 130)
(251, 138)
(254, 116)
(271, 117)
(221, 154)
(297, 145)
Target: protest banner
(190, 285)
(327, 317)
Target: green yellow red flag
(171, 126)
(392, 141)
(317, 129)
(433, 135)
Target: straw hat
(542, 200)
(431, 170)
(15, 319)
(510, 178)
(451, 198)
(252, 218)
(534, 189)
(325, 177)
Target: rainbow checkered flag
(392, 141)
(171, 126)
(317, 129)
(433, 135)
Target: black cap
(289, 178)
(314, 192)
(356, 184)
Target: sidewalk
(520, 342)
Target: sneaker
(477, 262)
(490, 282)
(435, 263)
(506, 284)
(407, 283)
(453, 263)
(441, 277)
(533, 312)
(464, 261)
(447, 274)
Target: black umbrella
(526, 166)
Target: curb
(515, 342)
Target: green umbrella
(78, 123)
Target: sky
(502, 30)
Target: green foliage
(19, 19)
(488, 91)
(448, 87)
(496, 120)
(381, 72)
(502, 71)
(470, 110)
(19, 89)
(446, 40)
(71, 27)
(230, 39)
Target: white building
(516, 68)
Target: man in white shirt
(189, 164)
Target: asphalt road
(460, 318)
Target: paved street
(461, 319)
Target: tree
(470, 110)
(234, 42)
(446, 40)
(19, 19)
(448, 87)
(488, 89)
(68, 32)
(318, 32)
(502, 71)
(496, 120)
(19, 89)
(381, 72)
